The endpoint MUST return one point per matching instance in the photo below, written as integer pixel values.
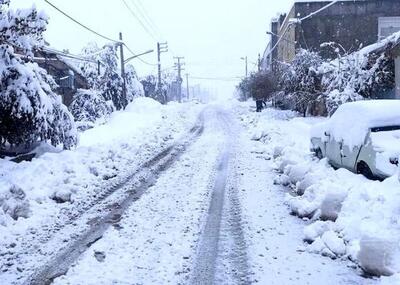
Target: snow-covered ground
(156, 243)
(219, 212)
(345, 216)
(41, 195)
(277, 253)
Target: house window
(388, 26)
(67, 81)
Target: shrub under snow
(88, 106)
(30, 111)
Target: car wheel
(318, 154)
(363, 168)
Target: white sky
(212, 35)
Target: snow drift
(32, 193)
(349, 217)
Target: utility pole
(187, 86)
(259, 62)
(161, 48)
(121, 48)
(178, 66)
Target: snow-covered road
(205, 210)
(214, 217)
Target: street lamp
(138, 55)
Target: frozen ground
(209, 207)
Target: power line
(146, 18)
(143, 11)
(139, 21)
(319, 11)
(94, 32)
(80, 24)
(67, 55)
(150, 19)
(298, 21)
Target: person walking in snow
(260, 104)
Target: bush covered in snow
(309, 81)
(151, 89)
(88, 106)
(30, 111)
(355, 77)
(109, 81)
(258, 86)
(134, 88)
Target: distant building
(351, 24)
(67, 76)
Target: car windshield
(386, 138)
(385, 129)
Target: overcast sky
(212, 35)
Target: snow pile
(348, 216)
(31, 193)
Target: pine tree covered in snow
(109, 82)
(133, 86)
(90, 68)
(30, 111)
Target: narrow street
(198, 213)
(200, 142)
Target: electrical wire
(139, 21)
(143, 11)
(146, 18)
(319, 11)
(67, 55)
(80, 24)
(299, 21)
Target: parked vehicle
(363, 137)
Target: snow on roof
(72, 64)
(352, 121)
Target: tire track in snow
(222, 252)
(60, 262)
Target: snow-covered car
(363, 137)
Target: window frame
(387, 22)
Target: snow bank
(349, 216)
(32, 193)
(122, 124)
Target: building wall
(286, 47)
(351, 23)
